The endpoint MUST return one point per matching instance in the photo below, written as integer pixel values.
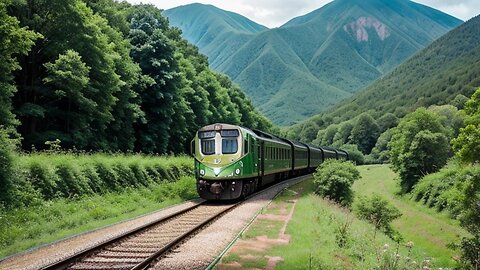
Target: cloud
(462, 9)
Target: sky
(274, 13)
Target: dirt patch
(251, 253)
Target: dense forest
(100, 75)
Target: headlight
(202, 172)
(237, 171)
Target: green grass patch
(431, 231)
(266, 227)
(24, 228)
(326, 236)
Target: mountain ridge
(321, 57)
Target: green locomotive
(232, 161)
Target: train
(232, 162)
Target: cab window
(229, 146)
(208, 147)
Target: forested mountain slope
(442, 73)
(314, 61)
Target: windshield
(219, 142)
(229, 146)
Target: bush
(354, 154)
(54, 175)
(377, 211)
(6, 163)
(333, 180)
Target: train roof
(268, 137)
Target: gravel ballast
(202, 249)
(45, 255)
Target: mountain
(312, 62)
(216, 32)
(437, 75)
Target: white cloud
(273, 13)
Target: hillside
(436, 75)
(314, 61)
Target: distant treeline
(109, 76)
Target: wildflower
(385, 247)
(397, 255)
(426, 268)
(409, 244)
(414, 262)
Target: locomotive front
(222, 161)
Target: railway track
(137, 249)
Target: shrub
(333, 180)
(6, 163)
(354, 154)
(377, 211)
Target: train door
(261, 158)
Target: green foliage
(53, 175)
(377, 211)
(14, 41)
(27, 227)
(6, 166)
(380, 152)
(442, 190)
(437, 75)
(365, 133)
(110, 76)
(333, 180)
(418, 147)
(467, 144)
(354, 154)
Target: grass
(431, 231)
(24, 228)
(318, 241)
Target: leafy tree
(343, 134)
(65, 25)
(467, 144)
(14, 41)
(387, 121)
(418, 147)
(329, 135)
(354, 154)
(450, 117)
(68, 76)
(155, 53)
(377, 211)
(333, 179)
(380, 152)
(365, 133)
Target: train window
(206, 134)
(229, 133)
(245, 147)
(208, 147)
(229, 146)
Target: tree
(387, 121)
(467, 144)
(66, 25)
(333, 179)
(155, 53)
(365, 133)
(377, 211)
(418, 147)
(14, 41)
(68, 76)
(343, 134)
(328, 135)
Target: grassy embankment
(318, 228)
(69, 194)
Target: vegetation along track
(137, 249)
